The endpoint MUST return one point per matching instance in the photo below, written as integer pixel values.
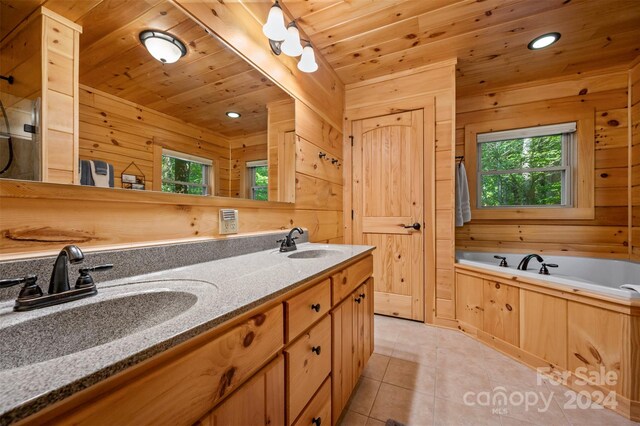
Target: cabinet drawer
(308, 365)
(307, 308)
(318, 412)
(181, 391)
(345, 282)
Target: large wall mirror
(206, 124)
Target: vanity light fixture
(543, 41)
(233, 114)
(163, 46)
(287, 39)
(308, 60)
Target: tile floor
(419, 375)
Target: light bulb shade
(274, 28)
(308, 60)
(162, 46)
(291, 45)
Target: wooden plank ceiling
(199, 89)
(363, 39)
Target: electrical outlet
(228, 221)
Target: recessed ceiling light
(233, 114)
(163, 46)
(543, 41)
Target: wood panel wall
(120, 132)
(245, 148)
(607, 234)
(36, 220)
(322, 90)
(35, 217)
(60, 62)
(432, 85)
(634, 134)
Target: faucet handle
(544, 270)
(503, 261)
(30, 289)
(86, 280)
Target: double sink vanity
(262, 337)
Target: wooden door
(388, 182)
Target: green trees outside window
(259, 182)
(528, 171)
(184, 176)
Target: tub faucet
(525, 261)
(60, 276)
(288, 242)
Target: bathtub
(602, 276)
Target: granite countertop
(163, 309)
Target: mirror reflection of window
(258, 180)
(186, 174)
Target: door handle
(415, 226)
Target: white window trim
(186, 157)
(568, 131)
(583, 178)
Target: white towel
(631, 287)
(98, 179)
(463, 206)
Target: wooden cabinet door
(388, 181)
(469, 300)
(359, 300)
(344, 341)
(260, 401)
(368, 320)
(501, 311)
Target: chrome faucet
(32, 297)
(524, 263)
(288, 242)
(59, 282)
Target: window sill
(534, 213)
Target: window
(528, 167)
(185, 174)
(258, 180)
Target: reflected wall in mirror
(141, 123)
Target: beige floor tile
(457, 341)
(454, 382)
(376, 367)
(363, 396)
(383, 346)
(461, 363)
(509, 421)
(452, 413)
(411, 375)
(402, 405)
(510, 372)
(541, 409)
(579, 413)
(352, 418)
(419, 353)
(374, 422)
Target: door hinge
(351, 137)
(351, 214)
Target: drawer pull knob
(316, 349)
(316, 307)
(316, 421)
(363, 295)
(357, 300)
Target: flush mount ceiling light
(163, 46)
(287, 39)
(543, 41)
(233, 114)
